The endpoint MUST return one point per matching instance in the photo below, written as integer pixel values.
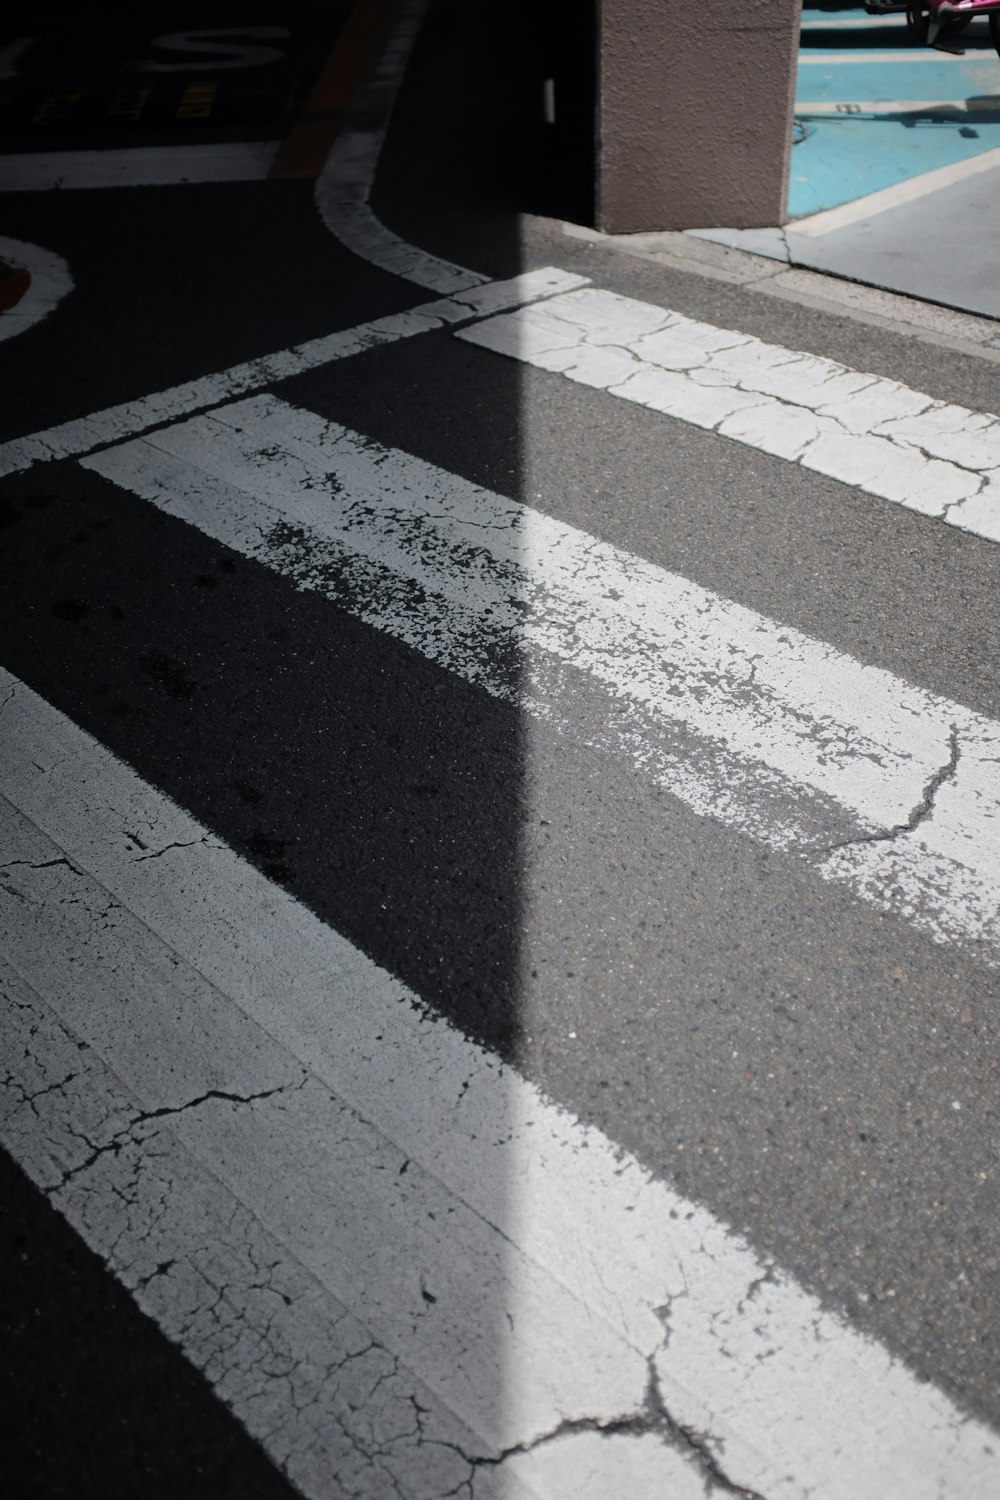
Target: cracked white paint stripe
(296, 1366)
(878, 783)
(893, 442)
(82, 434)
(251, 1192)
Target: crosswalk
(306, 1184)
(884, 787)
(405, 1267)
(883, 437)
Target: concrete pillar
(694, 117)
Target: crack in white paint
(651, 1420)
(288, 1244)
(895, 443)
(745, 720)
(168, 849)
(127, 1133)
(332, 1407)
(923, 809)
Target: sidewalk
(895, 177)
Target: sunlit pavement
(864, 120)
(895, 165)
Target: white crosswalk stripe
(397, 1261)
(347, 1216)
(893, 442)
(877, 783)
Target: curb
(927, 321)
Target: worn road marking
(344, 187)
(402, 1267)
(876, 783)
(893, 442)
(136, 166)
(83, 434)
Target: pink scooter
(928, 18)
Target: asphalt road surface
(500, 826)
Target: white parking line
(878, 784)
(894, 442)
(832, 219)
(905, 53)
(855, 23)
(394, 1260)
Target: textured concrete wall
(694, 112)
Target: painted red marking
(14, 282)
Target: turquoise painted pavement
(863, 120)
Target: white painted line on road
(50, 283)
(885, 438)
(344, 187)
(69, 439)
(265, 1188)
(136, 166)
(877, 783)
(832, 219)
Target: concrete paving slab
(939, 247)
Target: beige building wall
(694, 114)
